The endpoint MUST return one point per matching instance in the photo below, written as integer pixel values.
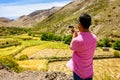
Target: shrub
(116, 54)
(100, 44)
(13, 31)
(116, 45)
(50, 37)
(104, 43)
(23, 57)
(10, 63)
(67, 39)
(45, 36)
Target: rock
(1, 66)
(105, 48)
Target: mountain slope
(4, 21)
(33, 18)
(105, 14)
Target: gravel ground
(6, 74)
(33, 75)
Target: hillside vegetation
(4, 31)
(105, 14)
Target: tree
(116, 45)
(106, 42)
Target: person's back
(83, 45)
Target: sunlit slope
(105, 14)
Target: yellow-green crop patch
(39, 65)
(10, 50)
(16, 49)
(44, 45)
(54, 45)
(32, 42)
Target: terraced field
(53, 56)
(104, 69)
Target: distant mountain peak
(33, 18)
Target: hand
(74, 33)
(72, 30)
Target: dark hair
(85, 20)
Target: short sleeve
(75, 44)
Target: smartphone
(70, 26)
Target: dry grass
(49, 53)
(59, 66)
(39, 65)
(107, 69)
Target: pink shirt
(83, 48)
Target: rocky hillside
(105, 15)
(4, 21)
(33, 18)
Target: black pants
(76, 77)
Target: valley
(36, 46)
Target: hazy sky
(16, 8)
